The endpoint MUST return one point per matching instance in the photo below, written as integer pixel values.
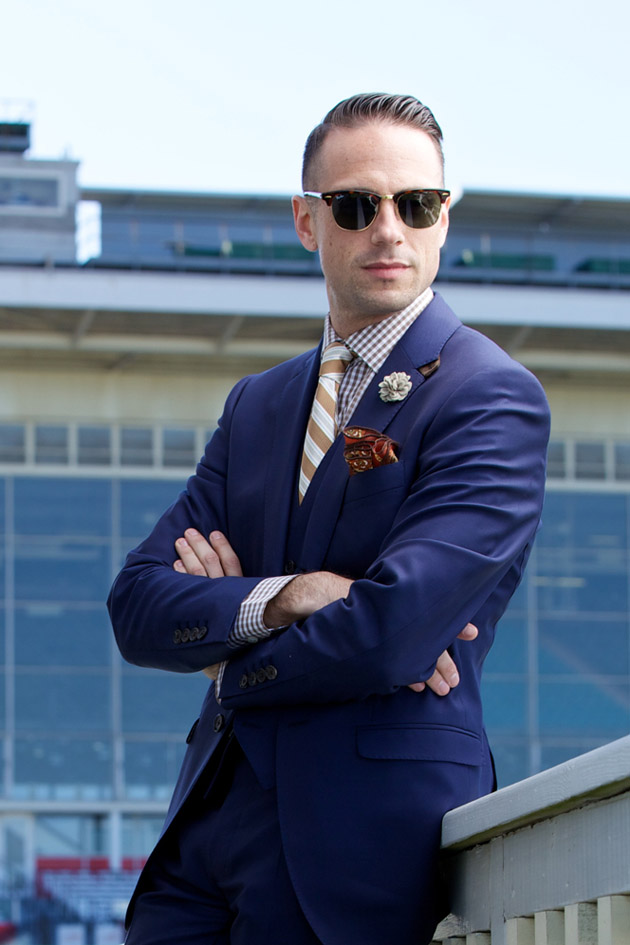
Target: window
(622, 461)
(590, 461)
(136, 446)
(12, 443)
(556, 460)
(179, 448)
(94, 446)
(51, 444)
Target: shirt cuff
(249, 626)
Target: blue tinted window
(509, 651)
(94, 446)
(161, 702)
(142, 503)
(12, 443)
(151, 767)
(56, 569)
(136, 446)
(511, 760)
(63, 768)
(51, 444)
(72, 506)
(58, 635)
(569, 646)
(505, 705)
(179, 449)
(583, 520)
(582, 581)
(62, 701)
(595, 707)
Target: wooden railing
(545, 861)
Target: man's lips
(385, 268)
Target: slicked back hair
(373, 106)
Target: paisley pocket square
(366, 449)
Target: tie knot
(335, 359)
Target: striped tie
(321, 429)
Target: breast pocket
(370, 505)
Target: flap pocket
(420, 743)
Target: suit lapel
(421, 345)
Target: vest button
(289, 567)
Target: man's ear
(444, 221)
(304, 223)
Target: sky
(209, 96)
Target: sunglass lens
(419, 210)
(354, 211)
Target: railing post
(580, 924)
(549, 927)
(520, 931)
(613, 920)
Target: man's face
(376, 272)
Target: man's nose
(387, 227)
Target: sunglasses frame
(330, 195)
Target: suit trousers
(219, 876)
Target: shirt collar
(374, 343)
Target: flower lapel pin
(394, 386)
(366, 449)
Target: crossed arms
(301, 597)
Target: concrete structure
(545, 861)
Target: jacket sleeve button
(271, 672)
(243, 681)
(251, 679)
(185, 635)
(177, 636)
(261, 675)
(201, 632)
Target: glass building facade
(80, 725)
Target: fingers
(206, 558)
(469, 632)
(226, 554)
(443, 679)
(446, 676)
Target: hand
(213, 558)
(446, 676)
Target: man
(337, 536)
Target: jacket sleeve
(175, 621)
(470, 516)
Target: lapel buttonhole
(428, 369)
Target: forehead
(383, 156)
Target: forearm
(304, 595)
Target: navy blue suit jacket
(364, 767)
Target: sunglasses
(357, 209)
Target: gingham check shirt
(371, 346)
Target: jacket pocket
(373, 481)
(420, 743)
